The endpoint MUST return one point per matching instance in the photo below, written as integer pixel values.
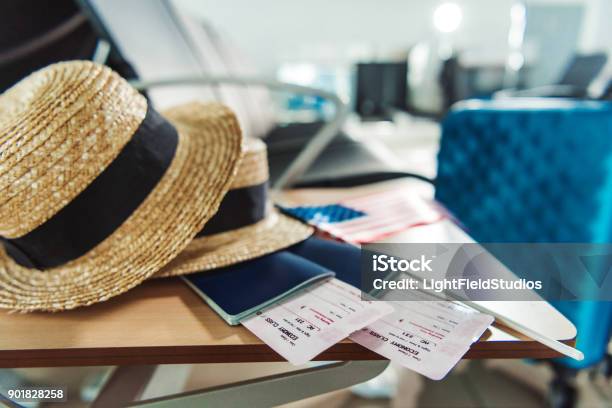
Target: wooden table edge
(345, 351)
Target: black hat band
(103, 205)
(240, 207)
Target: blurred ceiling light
(417, 60)
(516, 33)
(298, 73)
(517, 26)
(447, 17)
(516, 61)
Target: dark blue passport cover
(236, 292)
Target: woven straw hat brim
(185, 198)
(274, 233)
(39, 174)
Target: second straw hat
(99, 191)
(247, 224)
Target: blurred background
(404, 70)
(483, 46)
(401, 65)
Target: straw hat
(246, 226)
(97, 190)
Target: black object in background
(36, 33)
(606, 95)
(380, 88)
(459, 82)
(583, 69)
(574, 82)
(343, 157)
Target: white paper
(429, 337)
(305, 325)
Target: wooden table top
(164, 322)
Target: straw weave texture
(253, 169)
(275, 232)
(185, 198)
(55, 141)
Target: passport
(238, 291)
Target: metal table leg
(275, 389)
(124, 385)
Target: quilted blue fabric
(536, 170)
